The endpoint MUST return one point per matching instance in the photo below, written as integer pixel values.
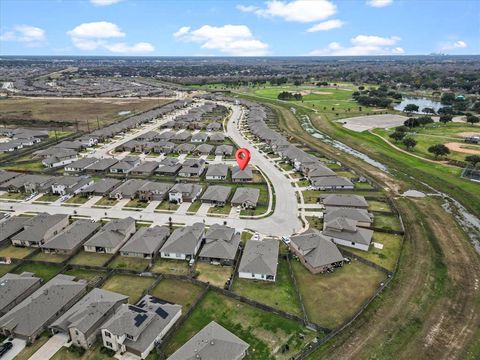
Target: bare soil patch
(462, 148)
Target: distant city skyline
(238, 28)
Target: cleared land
(58, 112)
(362, 123)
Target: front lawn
(166, 266)
(330, 299)
(44, 271)
(105, 201)
(265, 332)
(220, 210)
(77, 199)
(131, 263)
(315, 222)
(279, 294)
(48, 198)
(216, 275)
(90, 258)
(311, 196)
(167, 206)
(193, 208)
(15, 252)
(178, 292)
(13, 196)
(130, 285)
(135, 203)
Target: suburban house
(11, 227)
(181, 137)
(332, 183)
(28, 183)
(245, 197)
(111, 236)
(7, 175)
(315, 251)
(217, 172)
(184, 148)
(224, 150)
(40, 229)
(164, 147)
(220, 245)
(101, 188)
(32, 316)
(361, 216)
(259, 260)
(168, 170)
(70, 185)
(319, 171)
(136, 329)
(214, 126)
(146, 242)
(100, 166)
(153, 191)
(349, 201)
(192, 168)
(345, 232)
(204, 149)
(181, 192)
(71, 238)
(184, 242)
(79, 165)
(83, 320)
(125, 165)
(245, 175)
(217, 195)
(128, 189)
(144, 169)
(61, 158)
(217, 138)
(199, 137)
(15, 288)
(213, 342)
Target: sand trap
(362, 123)
(459, 147)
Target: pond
(421, 102)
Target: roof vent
(212, 342)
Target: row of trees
(286, 95)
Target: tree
(411, 108)
(445, 118)
(409, 143)
(473, 159)
(439, 150)
(397, 135)
(428, 110)
(447, 98)
(447, 110)
(472, 119)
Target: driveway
(203, 210)
(18, 346)
(50, 348)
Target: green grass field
(105, 201)
(44, 271)
(49, 198)
(129, 285)
(179, 292)
(279, 294)
(90, 258)
(387, 222)
(264, 332)
(216, 275)
(131, 263)
(91, 276)
(77, 199)
(329, 299)
(5, 268)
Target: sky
(239, 27)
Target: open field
(216, 275)
(77, 200)
(330, 299)
(265, 332)
(280, 294)
(129, 285)
(176, 291)
(44, 271)
(130, 263)
(58, 112)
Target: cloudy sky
(239, 27)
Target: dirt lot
(48, 112)
(362, 123)
(463, 148)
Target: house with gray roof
(153, 191)
(246, 197)
(245, 175)
(166, 135)
(61, 158)
(146, 168)
(111, 236)
(83, 320)
(184, 148)
(224, 150)
(216, 138)
(80, 165)
(181, 137)
(101, 166)
(361, 216)
(15, 288)
(204, 149)
(217, 172)
(192, 168)
(259, 260)
(199, 137)
(28, 183)
(71, 238)
(128, 189)
(71, 185)
(125, 165)
(214, 126)
(11, 227)
(146, 242)
(101, 188)
(136, 329)
(341, 200)
(164, 147)
(217, 195)
(320, 171)
(187, 192)
(316, 252)
(168, 170)
(220, 245)
(40, 229)
(345, 232)
(32, 316)
(184, 242)
(213, 342)
(332, 183)
(7, 175)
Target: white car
(286, 240)
(256, 236)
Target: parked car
(4, 348)
(286, 240)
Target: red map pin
(243, 158)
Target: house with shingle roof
(125, 165)
(213, 342)
(246, 197)
(217, 172)
(101, 188)
(136, 329)
(146, 242)
(153, 190)
(221, 245)
(224, 150)
(32, 316)
(361, 216)
(345, 232)
(128, 189)
(341, 200)
(101, 166)
(40, 229)
(71, 238)
(15, 288)
(111, 236)
(11, 227)
(145, 168)
(71, 185)
(199, 137)
(217, 195)
(315, 251)
(184, 242)
(204, 149)
(332, 183)
(83, 320)
(192, 168)
(216, 138)
(181, 192)
(259, 260)
(245, 175)
(80, 165)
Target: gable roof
(246, 195)
(184, 240)
(72, 236)
(13, 286)
(245, 174)
(342, 200)
(260, 257)
(217, 193)
(147, 240)
(347, 230)
(361, 215)
(36, 228)
(318, 250)
(221, 242)
(112, 234)
(217, 170)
